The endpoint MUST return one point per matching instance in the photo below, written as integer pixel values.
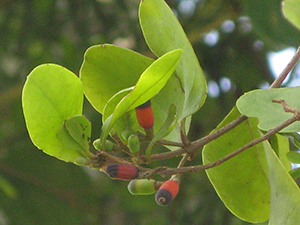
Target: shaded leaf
(281, 146)
(295, 173)
(7, 188)
(80, 129)
(285, 194)
(163, 33)
(166, 128)
(51, 94)
(241, 182)
(258, 103)
(294, 157)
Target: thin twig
(196, 145)
(278, 81)
(166, 171)
(201, 142)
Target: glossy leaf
(166, 128)
(241, 182)
(108, 69)
(291, 11)
(258, 103)
(150, 83)
(163, 33)
(285, 194)
(51, 94)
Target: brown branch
(278, 81)
(166, 171)
(196, 145)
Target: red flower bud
(145, 115)
(167, 192)
(122, 171)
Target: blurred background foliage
(233, 40)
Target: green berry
(143, 187)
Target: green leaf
(107, 69)
(150, 83)
(80, 129)
(285, 194)
(291, 11)
(75, 134)
(51, 94)
(113, 102)
(281, 146)
(295, 173)
(275, 33)
(258, 103)
(128, 120)
(165, 129)
(294, 157)
(163, 33)
(241, 182)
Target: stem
(203, 141)
(278, 81)
(165, 171)
(195, 145)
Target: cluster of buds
(165, 191)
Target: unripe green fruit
(134, 144)
(126, 134)
(143, 186)
(109, 146)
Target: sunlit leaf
(241, 182)
(258, 103)
(291, 10)
(51, 94)
(163, 33)
(150, 83)
(108, 69)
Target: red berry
(144, 114)
(167, 192)
(122, 171)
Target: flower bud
(167, 192)
(145, 115)
(122, 171)
(134, 144)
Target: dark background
(38, 189)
